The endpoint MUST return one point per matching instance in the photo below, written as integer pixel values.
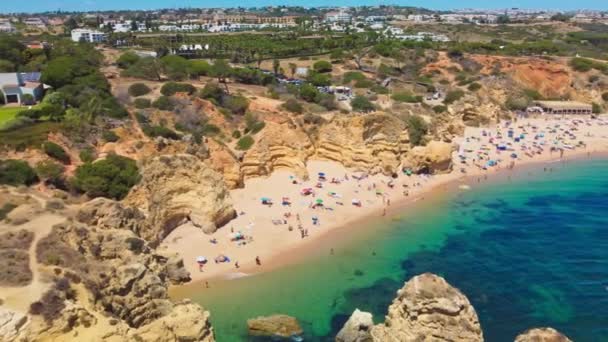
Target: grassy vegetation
(8, 113)
(28, 136)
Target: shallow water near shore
(527, 250)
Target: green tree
(111, 177)
(198, 68)
(308, 93)
(221, 70)
(127, 59)
(147, 68)
(322, 66)
(453, 96)
(175, 67)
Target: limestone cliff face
(373, 143)
(179, 188)
(279, 145)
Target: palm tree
(292, 69)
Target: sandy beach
(304, 211)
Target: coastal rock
(374, 143)
(122, 285)
(185, 322)
(542, 335)
(179, 188)
(427, 308)
(105, 213)
(280, 145)
(275, 325)
(10, 324)
(357, 328)
(435, 157)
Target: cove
(528, 250)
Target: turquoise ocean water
(528, 250)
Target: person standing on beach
(257, 261)
(236, 264)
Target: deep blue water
(531, 252)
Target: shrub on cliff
(322, 66)
(245, 143)
(453, 96)
(138, 89)
(111, 177)
(142, 103)
(292, 105)
(16, 172)
(55, 151)
(362, 104)
(417, 129)
(170, 88)
(163, 103)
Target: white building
(90, 36)
(7, 27)
(339, 16)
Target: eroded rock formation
(178, 188)
(427, 308)
(434, 157)
(109, 284)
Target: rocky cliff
(178, 188)
(99, 280)
(427, 308)
(373, 143)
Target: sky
(9, 6)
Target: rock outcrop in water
(358, 328)
(275, 325)
(427, 308)
(178, 188)
(542, 335)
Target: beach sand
(280, 244)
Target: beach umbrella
(265, 199)
(201, 258)
(319, 201)
(513, 155)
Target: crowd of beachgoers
(280, 213)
